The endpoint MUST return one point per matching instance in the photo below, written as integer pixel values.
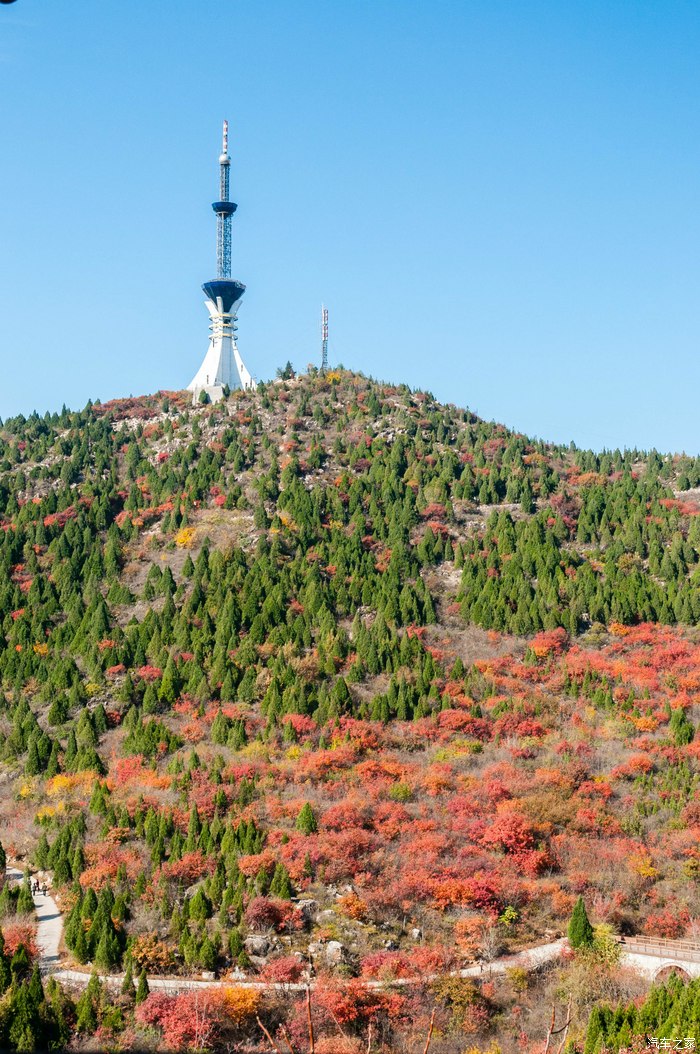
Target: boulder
(256, 945)
(335, 953)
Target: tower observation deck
(222, 366)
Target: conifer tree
(25, 900)
(25, 1029)
(142, 989)
(306, 820)
(87, 1007)
(580, 931)
(5, 974)
(281, 885)
(20, 964)
(128, 982)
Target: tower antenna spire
(324, 339)
(224, 209)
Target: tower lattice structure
(224, 209)
(324, 339)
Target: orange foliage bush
(353, 906)
(151, 954)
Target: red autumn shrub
(188, 868)
(669, 924)
(302, 725)
(285, 970)
(189, 1020)
(20, 933)
(509, 832)
(266, 913)
(342, 816)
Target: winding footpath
(174, 985)
(50, 930)
(647, 955)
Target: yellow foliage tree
(185, 537)
(240, 1005)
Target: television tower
(222, 365)
(324, 339)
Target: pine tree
(5, 975)
(128, 982)
(33, 764)
(53, 766)
(169, 685)
(142, 989)
(19, 964)
(25, 900)
(207, 954)
(88, 1005)
(580, 931)
(80, 947)
(107, 951)
(58, 711)
(306, 820)
(200, 907)
(281, 885)
(36, 989)
(25, 1028)
(193, 829)
(58, 1009)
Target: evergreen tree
(128, 982)
(142, 989)
(5, 973)
(306, 820)
(25, 900)
(88, 1006)
(25, 1031)
(580, 931)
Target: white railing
(662, 947)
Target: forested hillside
(329, 679)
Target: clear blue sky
(497, 200)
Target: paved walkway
(49, 924)
(646, 954)
(50, 929)
(172, 985)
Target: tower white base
(222, 365)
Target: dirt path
(49, 924)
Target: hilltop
(331, 677)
